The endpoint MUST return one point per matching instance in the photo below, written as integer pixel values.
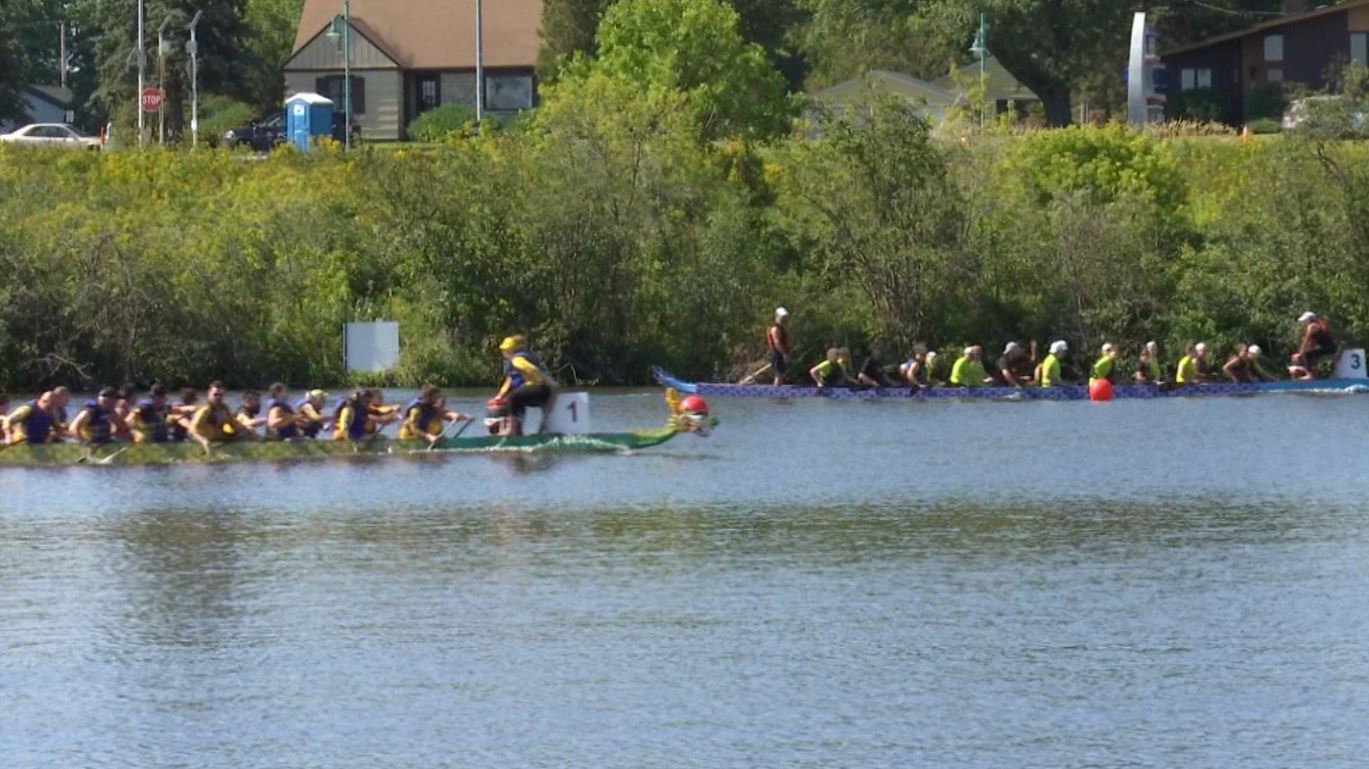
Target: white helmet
(1254, 350)
(1012, 347)
(1307, 317)
(1109, 347)
(1059, 346)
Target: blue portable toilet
(307, 115)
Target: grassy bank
(616, 236)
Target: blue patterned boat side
(1063, 393)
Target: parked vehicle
(259, 135)
(51, 135)
(1326, 114)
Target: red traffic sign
(152, 99)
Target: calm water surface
(1166, 584)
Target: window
(1275, 75)
(331, 86)
(1204, 78)
(1188, 79)
(1273, 48)
(429, 95)
(508, 92)
(1359, 49)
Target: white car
(50, 135)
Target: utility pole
(142, 65)
(62, 54)
(347, 74)
(193, 48)
(479, 66)
(161, 81)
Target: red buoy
(1100, 390)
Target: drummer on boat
(526, 383)
(1317, 343)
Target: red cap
(694, 404)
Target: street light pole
(142, 65)
(347, 74)
(193, 48)
(980, 47)
(479, 65)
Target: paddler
(123, 410)
(526, 383)
(1193, 368)
(147, 420)
(427, 416)
(1015, 366)
(915, 370)
(180, 414)
(1048, 373)
(94, 423)
(1148, 368)
(349, 423)
(33, 422)
(61, 396)
(871, 372)
(248, 417)
(1106, 366)
(1244, 366)
(309, 413)
(379, 415)
(778, 346)
(214, 422)
(968, 370)
(831, 371)
(281, 420)
(1316, 344)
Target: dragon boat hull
(1062, 393)
(124, 454)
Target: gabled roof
(435, 34)
(898, 81)
(1292, 18)
(55, 95)
(1000, 82)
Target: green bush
(442, 122)
(1199, 105)
(1265, 126)
(1266, 101)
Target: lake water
(820, 584)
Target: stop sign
(152, 99)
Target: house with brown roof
(1306, 46)
(409, 56)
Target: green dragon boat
(143, 454)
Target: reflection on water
(819, 585)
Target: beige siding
(326, 53)
(384, 116)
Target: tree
(696, 47)
(223, 57)
(568, 28)
(11, 66)
(271, 26)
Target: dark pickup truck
(259, 135)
